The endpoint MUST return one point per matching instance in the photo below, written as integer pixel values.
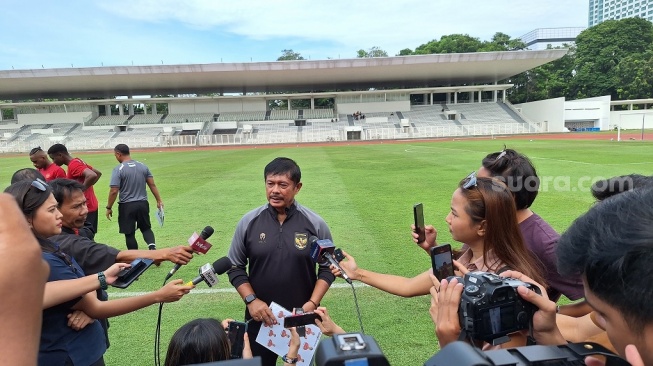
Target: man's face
(618, 330)
(281, 190)
(74, 210)
(57, 158)
(39, 160)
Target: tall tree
(372, 52)
(634, 76)
(502, 42)
(288, 55)
(601, 48)
(550, 80)
(405, 52)
(452, 43)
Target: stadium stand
(264, 127)
(108, 121)
(284, 114)
(318, 113)
(188, 117)
(241, 116)
(142, 119)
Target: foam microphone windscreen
(222, 265)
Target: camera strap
(530, 339)
(465, 337)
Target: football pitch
(364, 192)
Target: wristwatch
(249, 298)
(290, 360)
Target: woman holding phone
(482, 216)
(69, 289)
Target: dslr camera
(491, 308)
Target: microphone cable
(358, 310)
(157, 333)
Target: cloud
(95, 32)
(392, 25)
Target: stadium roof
(279, 76)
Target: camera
(464, 354)
(491, 308)
(349, 349)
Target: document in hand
(160, 216)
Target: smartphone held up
(442, 261)
(418, 213)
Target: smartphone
(236, 334)
(301, 330)
(337, 254)
(442, 261)
(418, 212)
(298, 320)
(131, 274)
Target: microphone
(199, 245)
(209, 273)
(322, 252)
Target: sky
(93, 33)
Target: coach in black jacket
(273, 241)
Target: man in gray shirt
(129, 179)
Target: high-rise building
(601, 10)
(541, 38)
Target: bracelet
(313, 302)
(557, 309)
(108, 208)
(290, 360)
(103, 280)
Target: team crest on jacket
(301, 239)
(261, 238)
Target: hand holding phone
(130, 274)
(236, 334)
(298, 320)
(418, 213)
(442, 261)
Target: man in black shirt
(271, 242)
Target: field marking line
(415, 147)
(204, 291)
(586, 163)
(437, 148)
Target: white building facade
(541, 38)
(602, 10)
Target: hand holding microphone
(347, 266)
(172, 291)
(322, 252)
(199, 245)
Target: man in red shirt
(41, 162)
(83, 173)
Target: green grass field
(365, 193)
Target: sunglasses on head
(40, 185)
(469, 181)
